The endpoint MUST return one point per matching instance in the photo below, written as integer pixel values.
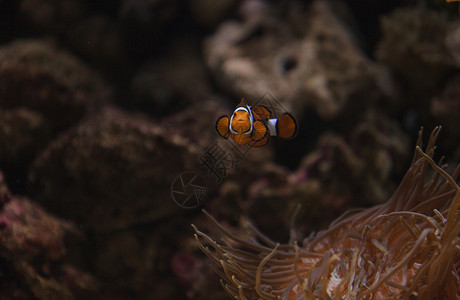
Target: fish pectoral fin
(286, 127)
(260, 143)
(259, 131)
(222, 126)
(261, 112)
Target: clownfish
(253, 125)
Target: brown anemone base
(406, 248)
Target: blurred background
(106, 105)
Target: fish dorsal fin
(222, 126)
(242, 103)
(261, 112)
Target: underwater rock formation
(199, 134)
(43, 91)
(5, 194)
(209, 12)
(453, 42)
(414, 47)
(360, 163)
(127, 261)
(23, 133)
(147, 24)
(403, 248)
(32, 253)
(321, 66)
(172, 81)
(445, 107)
(50, 16)
(99, 40)
(112, 170)
(38, 76)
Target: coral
(403, 248)
(321, 66)
(90, 172)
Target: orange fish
(254, 125)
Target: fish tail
(286, 127)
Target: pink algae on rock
(32, 253)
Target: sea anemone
(406, 248)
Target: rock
(50, 16)
(148, 25)
(126, 260)
(362, 163)
(38, 76)
(5, 194)
(197, 123)
(321, 67)
(445, 108)
(23, 133)
(99, 40)
(34, 245)
(43, 91)
(453, 42)
(172, 81)
(208, 12)
(145, 12)
(114, 170)
(413, 45)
